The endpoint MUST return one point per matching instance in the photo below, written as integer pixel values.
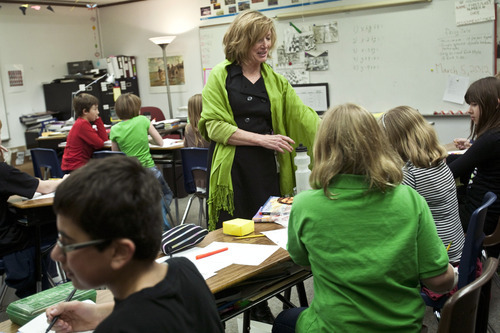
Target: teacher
(253, 118)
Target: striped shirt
(437, 186)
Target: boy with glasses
(110, 226)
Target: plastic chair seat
(46, 159)
(153, 111)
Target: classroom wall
(42, 42)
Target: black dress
(254, 172)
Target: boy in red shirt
(83, 139)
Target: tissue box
(22, 311)
(238, 227)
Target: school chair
(153, 111)
(463, 311)
(194, 169)
(471, 252)
(46, 163)
(106, 153)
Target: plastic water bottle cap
(301, 148)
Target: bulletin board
(384, 57)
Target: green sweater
(368, 251)
(290, 117)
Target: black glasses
(72, 247)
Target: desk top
(22, 203)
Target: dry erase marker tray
(25, 309)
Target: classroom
(376, 53)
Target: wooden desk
(37, 212)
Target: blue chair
(194, 169)
(45, 163)
(470, 253)
(106, 153)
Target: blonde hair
(244, 32)
(194, 115)
(412, 136)
(349, 141)
(128, 106)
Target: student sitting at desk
(426, 171)
(479, 166)
(13, 236)
(83, 139)
(368, 240)
(131, 137)
(192, 136)
(109, 222)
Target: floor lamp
(163, 43)
(110, 79)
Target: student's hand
(461, 143)
(75, 316)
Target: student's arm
(94, 138)
(48, 186)
(155, 135)
(476, 154)
(78, 316)
(443, 283)
(114, 146)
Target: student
(479, 166)
(13, 236)
(368, 240)
(192, 136)
(426, 171)
(83, 139)
(108, 217)
(131, 137)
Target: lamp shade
(162, 40)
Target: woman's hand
(276, 142)
(462, 143)
(77, 316)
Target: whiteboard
(3, 115)
(391, 56)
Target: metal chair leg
(187, 209)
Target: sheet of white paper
(279, 236)
(169, 143)
(39, 195)
(39, 324)
(456, 88)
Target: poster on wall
(15, 78)
(175, 69)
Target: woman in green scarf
(254, 119)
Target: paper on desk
(279, 236)
(457, 152)
(39, 324)
(39, 195)
(242, 254)
(167, 142)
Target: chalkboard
(402, 55)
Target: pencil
(448, 247)
(251, 236)
(70, 296)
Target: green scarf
(290, 117)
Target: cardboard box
(20, 158)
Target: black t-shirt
(482, 161)
(182, 302)
(13, 181)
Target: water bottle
(302, 173)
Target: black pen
(70, 296)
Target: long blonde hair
(412, 136)
(194, 115)
(349, 141)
